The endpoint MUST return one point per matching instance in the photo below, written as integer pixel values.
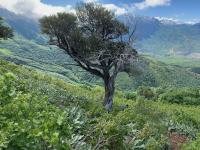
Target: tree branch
(86, 65)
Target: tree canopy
(5, 32)
(96, 40)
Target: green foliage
(188, 96)
(193, 145)
(183, 61)
(5, 32)
(132, 128)
(90, 35)
(147, 92)
(196, 70)
(130, 95)
(31, 122)
(42, 111)
(7, 91)
(5, 51)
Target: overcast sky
(184, 10)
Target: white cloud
(90, 1)
(33, 8)
(112, 7)
(37, 9)
(117, 10)
(151, 3)
(193, 21)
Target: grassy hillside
(182, 61)
(190, 64)
(55, 62)
(42, 112)
(41, 57)
(159, 74)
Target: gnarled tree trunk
(109, 84)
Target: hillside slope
(167, 75)
(71, 116)
(55, 62)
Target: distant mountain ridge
(159, 36)
(166, 36)
(169, 37)
(23, 26)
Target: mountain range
(154, 35)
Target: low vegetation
(42, 112)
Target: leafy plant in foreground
(31, 122)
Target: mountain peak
(169, 21)
(173, 21)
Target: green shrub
(130, 95)
(147, 92)
(7, 90)
(31, 122)
(192, 145)
(188, 96)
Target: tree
(96, 40)
(5, 32)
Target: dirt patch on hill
(177, 140)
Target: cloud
(90, 1)
(37, 9)
(151, 3)
(112, 7)
(117, 10)
(33, 8)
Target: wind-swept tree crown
(93, 37)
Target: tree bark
(109, 84)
